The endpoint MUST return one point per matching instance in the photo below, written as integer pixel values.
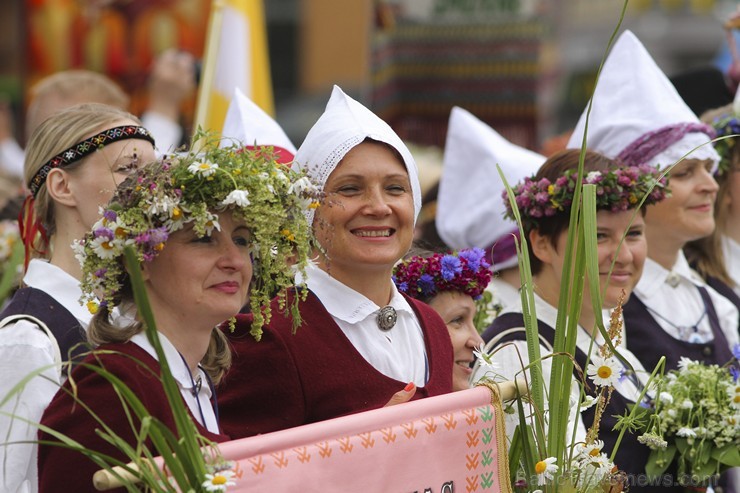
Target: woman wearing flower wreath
(450, 283)
(197, 223)
(74, 161)
(544, 202)
(361, 342)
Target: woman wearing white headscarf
(361, 341)
(639, 117)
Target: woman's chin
(460, 381)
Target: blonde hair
(56, 134)
(73, 86)
(705, 254)
(101, 330)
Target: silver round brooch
(387, 318)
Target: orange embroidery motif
(324, 449)
(280, 460)
(430, 427)
(449, 420)
(367, 440)
(344, 445)
(409, 430)
(257, 466)
(302, 453)
(472, 440)
(388, 435)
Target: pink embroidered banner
(451, 443)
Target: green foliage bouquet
(696, 421)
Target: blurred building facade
(524, 66)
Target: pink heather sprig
(617, 190)
(466, 271)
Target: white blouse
(731, 251)
(194, 388)
(511, 358)
(25, 348)
(398, 353)
(674, 301)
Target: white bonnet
(344, 124)
(637, 115)
(247, 124)
(470, 207)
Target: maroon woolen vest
(287, 379)
(61, 469)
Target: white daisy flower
(237, 197)
(78, 247)
(176, 220)
(203, 168)
(486, 363)
(593, 176)
(590, 450)
(545, 469)
(672, 413)
(687, 404)
(588, 401)
(666, 398)
(735, 401)
(162, 205)
(686, 432)
(212, 223)
(304, 190)
(219, 481)
(604, 371)
(105, 248)
(683, 363)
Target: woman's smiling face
(367, 220)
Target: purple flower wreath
(617, 190)
(466, 271)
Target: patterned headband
(649, 145)
(85, 148)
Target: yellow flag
(235, 57)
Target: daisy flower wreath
(616, 190)
(164, 196)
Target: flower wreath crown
(466, 271)
(724, 126)
(164, 196)
(617, 190)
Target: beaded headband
(728, 125)
(466, 271)
(617, 190)
(85, 148)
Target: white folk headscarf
(470, 208)
(635, 100)
(344, 124)
(248, 124)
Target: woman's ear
(58, 188)
(144, 271)
(541, 246)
